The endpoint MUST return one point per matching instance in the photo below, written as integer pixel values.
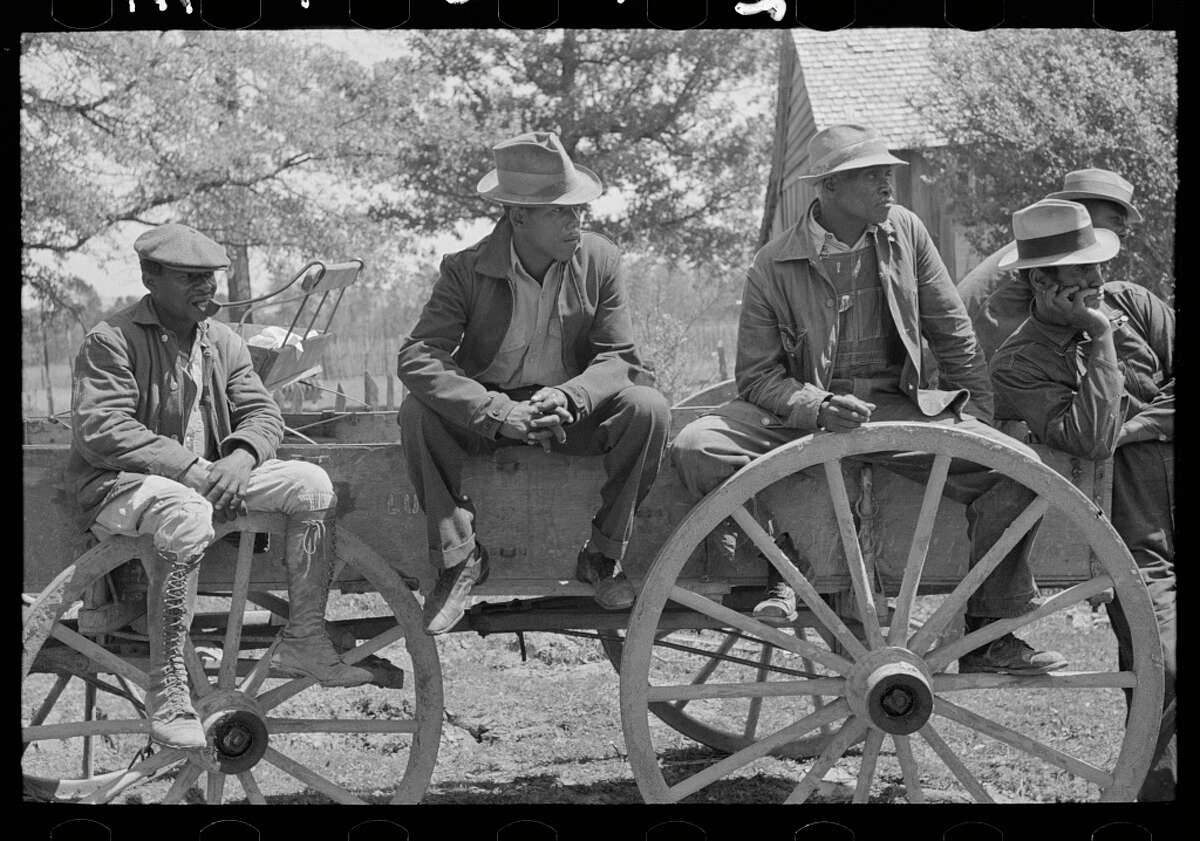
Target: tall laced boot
(306, 650)
(170, 603)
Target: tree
(677, 124)
(1021, 108)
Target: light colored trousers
(180, 518)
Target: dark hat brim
(1076, 195)
(585, 187)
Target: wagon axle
(236, 728)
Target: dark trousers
(1143, 513)
(629, 430)
(712, 448)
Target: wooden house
(869, 77)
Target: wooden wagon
(860, 665)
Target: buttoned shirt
(191, 368)
(531, 352)
(1077, 393)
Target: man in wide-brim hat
(833, 316)
(1091, 372)
(996, 298)
(527, 339)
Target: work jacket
(461, 328)
(788, 330)
(1075, 393)
(130, 407)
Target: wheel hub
(237, 729)
(891, 689)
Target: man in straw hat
(997, 300)
(1091, 371)
(833, 315)
(527, 339)
(173, 428)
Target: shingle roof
(869, 76)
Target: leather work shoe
(612, 589)
(1010, 655)
(172, 726)
(448, 601)
(779, 607)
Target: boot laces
(314, 538)
(175, 700)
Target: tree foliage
(1021, 108)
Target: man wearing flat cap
(1091, 372)
(527, 339)
(171, 428)
(834, 315)
(996, 298)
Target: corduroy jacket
(460, 330)
(787, 332)
(129, 409)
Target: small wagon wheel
(728, 651)
(254, 733)
(897, 685)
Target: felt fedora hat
(1098, 184)
(534, 169)
(843, 147)
(1055, 232)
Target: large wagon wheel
(896, 685)
(261, 726)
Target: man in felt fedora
(171, 429)
(834, 314)
(527, 340)
(1091, 372)
(996, 298)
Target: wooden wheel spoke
(797, 645)
(908, 767)
(107, 661)
(195, 668)
(918, 550)
(796, 580)
(84, 729)
(275, 697)
(761, 689)
(943, 656)
(956, 766)
(945, 682)
(340, 725)
(261, 670)
(60, 683)
(920, 641)
(866, 771)
(368, 647)
(254, 794)
(705, 671)
(751, 728)
(237, 612)
(849, 733)
(188, 775)
(215, 790)
(1022, 742)
(757, 750)
(311, 778)
(146, 768)
(864, 595)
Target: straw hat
(1054, 232)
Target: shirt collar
(823, 240)
(144, 312)
(799, 243)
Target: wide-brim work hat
(1055, 232)
(845, 147)
(181, 247)
(1098, 184)
(534, 169)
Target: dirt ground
(547, 730)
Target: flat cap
(181, 247)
